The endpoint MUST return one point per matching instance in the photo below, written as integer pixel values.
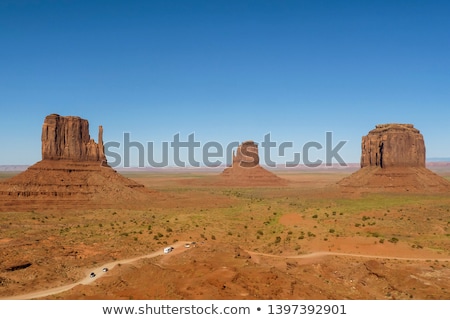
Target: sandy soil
(304, 240)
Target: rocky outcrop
(246, 155)
(73, 167)
(393, 145)
(67, 138)
(393, 160)
(246, 171)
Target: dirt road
(320, 254)
(180, 245)
(98, 272)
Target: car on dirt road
(168, 250)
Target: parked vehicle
(168, 250)
(92, 275)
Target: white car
(168, 250)
(105, 270)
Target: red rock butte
(67, 138)
(73, 168)
(393, 145)
(393, 159)
(246, 171)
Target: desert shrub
(332, 231)
(315, 216)
(393, 240)
(278, 239)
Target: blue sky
(224, 70)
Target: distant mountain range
(13, 168)
(431, 162)
(438, 159)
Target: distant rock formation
(67, 138)
(393, 160)
(73, 167)
(246, 155)
(246, 171)
(393, 145)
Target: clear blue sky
(226, 70)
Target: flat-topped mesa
(393, 145)
(67, 138)
(246, 155)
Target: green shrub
(393, 240)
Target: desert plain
(305, 239)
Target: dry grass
(303, 217)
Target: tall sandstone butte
(393, 160)
(67, 138)
(73, 167)
(246, 155)
(393, 145)
(246, 171)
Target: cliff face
(246, 170)
(67, 138)
(393, 145)
(246, 155)
(393, 160)
(73, 167)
